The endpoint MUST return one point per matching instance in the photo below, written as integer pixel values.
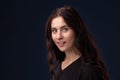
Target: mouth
(61, 43)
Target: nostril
(59, 37)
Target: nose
(59, 35)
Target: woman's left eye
(65, 29)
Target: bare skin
(63, 36)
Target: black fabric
(78, 70)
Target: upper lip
(60, 41)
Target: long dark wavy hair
(83, 41)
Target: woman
(72, 55)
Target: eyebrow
(60, 27)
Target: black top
(78, 70)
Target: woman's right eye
(54, 31)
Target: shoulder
(87, 67)
(56, 66)
(91, 72)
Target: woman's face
(62, 35)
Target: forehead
(58, 22)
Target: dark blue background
(23, 34)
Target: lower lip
(61, 45)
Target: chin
(63, 50)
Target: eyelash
(64, 30)
(53, 31)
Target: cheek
(71, 35)
(72, 38)
(53, 37)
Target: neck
(71, 55)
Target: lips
(61, 43)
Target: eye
(53, 30)
(65, 29)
